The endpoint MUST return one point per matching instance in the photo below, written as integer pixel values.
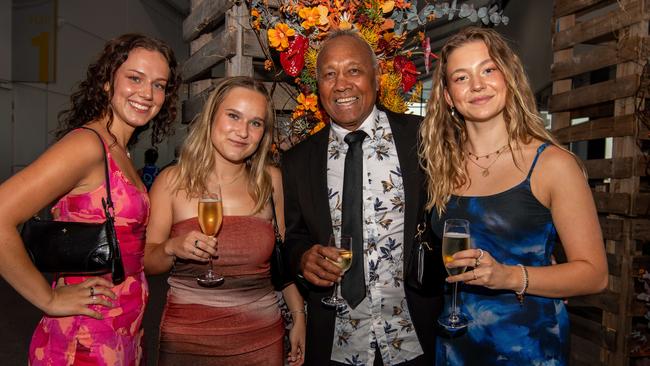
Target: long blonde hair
(443, 133)
(196, 160)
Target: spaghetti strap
(539, 151)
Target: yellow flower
(268, 65)
(309, 102)
(310, 61)
(344, 22)
(322, 11)
(311, 17)
(279, 36)
(388, 6)
(319, 126)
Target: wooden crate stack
(222, 44)
(600, 50)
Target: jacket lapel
(318, 183)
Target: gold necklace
(235, 178)
(486, 169)
(487, 156)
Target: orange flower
(268, 65)
(309, 102)
(279, 36)
(402, 4)
(311, 17)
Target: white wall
(28, 111)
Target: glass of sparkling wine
(343, 245)
(210, 218)
(454, 239)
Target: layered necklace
(485, 170)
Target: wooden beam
(634, 12)
(562, 119)
(204, 17)
(584, 352)
(613, 264)
(600, 56)
(595, 332)
(606, 300)
(642, 202)
(615, 203)
(566, 7)
(618, 168)
(622, 87)
(597, 129)
(216, 50)
(612, 228)
(640, 229)
(239, 64)
(252, 45)
(192, 107)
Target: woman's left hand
(296, 356)
(486, 271)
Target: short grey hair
(353, 33)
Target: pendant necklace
(485, 170)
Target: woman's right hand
(194, 246)
(77, 299)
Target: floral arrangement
(295, 29)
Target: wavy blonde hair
(196, 159)
(443, 135)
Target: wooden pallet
(600, 47)
(221, 45)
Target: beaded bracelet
(296, 312)
(520, 294)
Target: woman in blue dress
(489, 160)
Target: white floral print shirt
(382, 319)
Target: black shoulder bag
(279, 275)
(76, 248)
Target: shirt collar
(368, 126)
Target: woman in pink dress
(88, 320)
(237, 323)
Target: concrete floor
(19, 318)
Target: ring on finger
(93, 298)
(474, 273)
(196, 243)
(477, 262)
(480, 254)
(92, 291)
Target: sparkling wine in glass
(210, 218)
(454, 239)
(344, 247)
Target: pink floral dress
(115, 339)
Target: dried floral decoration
(296, 29)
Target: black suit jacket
(308, 221)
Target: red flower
(407, 69)
(293, 59)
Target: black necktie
(353, 287)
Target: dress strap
(539, 151)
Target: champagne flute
(454, 239)
(344, 247)
(210, 218)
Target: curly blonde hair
(196, 159)
(444, 134)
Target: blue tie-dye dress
(514, 227)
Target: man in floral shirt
(394, 323)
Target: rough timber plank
(204, 16)
(634, 12)
(600, 56)
(612, 228)
(607, 300)
(566, 7)
(595, 332)
(615, 203)
(617, 168)
(562, 119)
(252, 44)
(622, 87)
(597, 129)
(216, 50)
